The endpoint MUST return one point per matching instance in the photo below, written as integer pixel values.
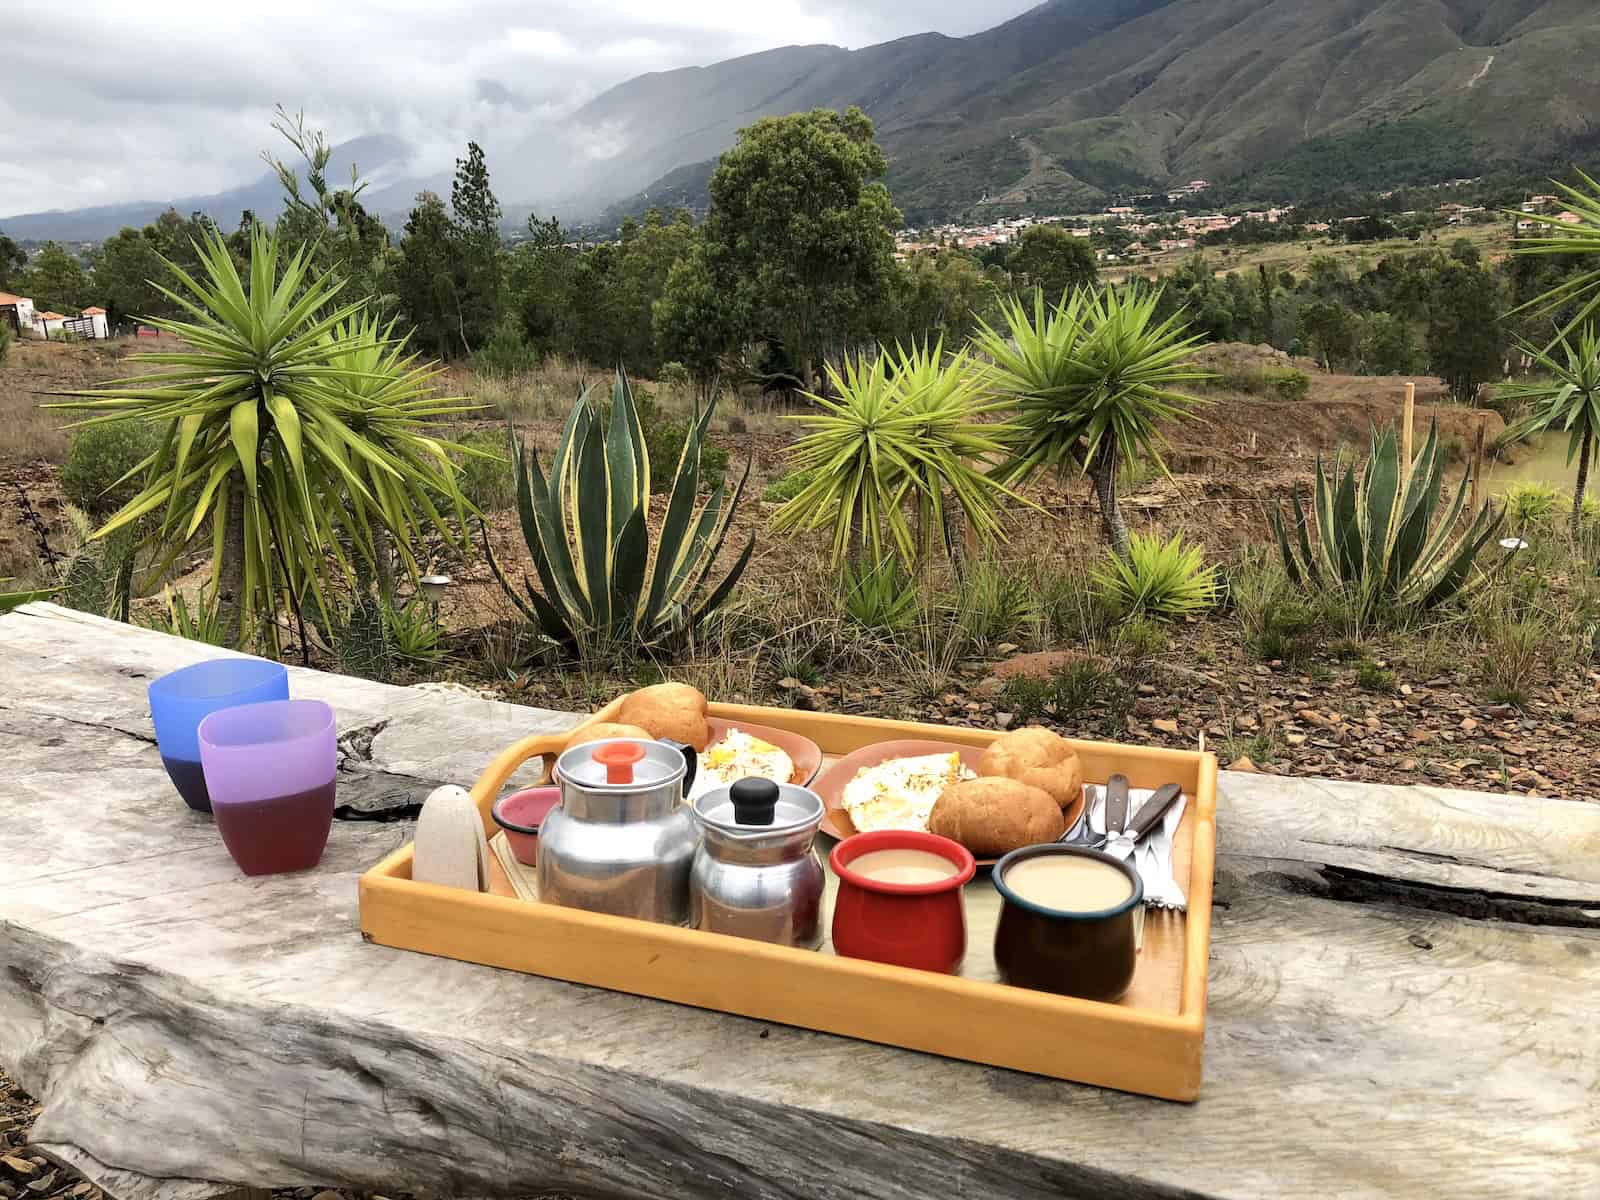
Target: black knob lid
(755, 801)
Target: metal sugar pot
(621, 841)
(755, 874)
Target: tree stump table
(1404, 986)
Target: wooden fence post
(1477, 459)
(1407, 417)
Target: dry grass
(32, 370)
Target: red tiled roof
(51, 316)
(89, 312)
(8, 298)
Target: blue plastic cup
(181, 699)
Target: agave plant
(1377, 537)
(1093, 381)
(1166, 579)
(290, 422)
(587, 528)
(1567, 398)
(904, 431)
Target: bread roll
(1039, 758)
(602, 730)
(669, 710)
(991, 816)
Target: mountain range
(1067, 104)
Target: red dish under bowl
(922, 925)
(519, 814)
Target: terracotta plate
(830, 784)
(805, 753)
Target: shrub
(995, 604)
(1373, 678)
(486, 477)
(787, 486)
(1287, 383)
(673, 375)
(1284, 383)
(506, 352)
(1530, 504)
(664, 437)
(1275, 618)
(1083, 686)
(1140, 637)
(101, 455)
(5, 339)
(1160, 578)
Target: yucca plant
(199, 624)
(1381, 538)
(880, 596)
(587, 528)
(291, 424)
(1529, 505)
(1566, 398)
(1164, 579)
(1092, 380)
(903, 431)
(1560, 237)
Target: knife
(1122, 844)
(1116, 805)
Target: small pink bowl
(519, 814)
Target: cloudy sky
(105, 102)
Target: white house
(16, 311)
(97, 321)
(48, 325)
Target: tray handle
(493, 779)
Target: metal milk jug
(621, 840)
(755, 874)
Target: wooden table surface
(1404, 991)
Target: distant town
(1125, 233)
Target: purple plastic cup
(270, 769)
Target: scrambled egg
(900, 793)
(741, 756)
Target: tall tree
(1466, 342)
(12, 260)
(799, 226)
(55, 280)
(1048, 257)
(124, 271)
(697, 320)
(346, 238)
(428, 279)
(541, 283)
(476, 216)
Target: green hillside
(1078, 100)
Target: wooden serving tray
(1148, 1042)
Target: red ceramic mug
(520, 815)
(922, 925)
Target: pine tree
(476, 223)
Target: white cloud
(126, 102)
